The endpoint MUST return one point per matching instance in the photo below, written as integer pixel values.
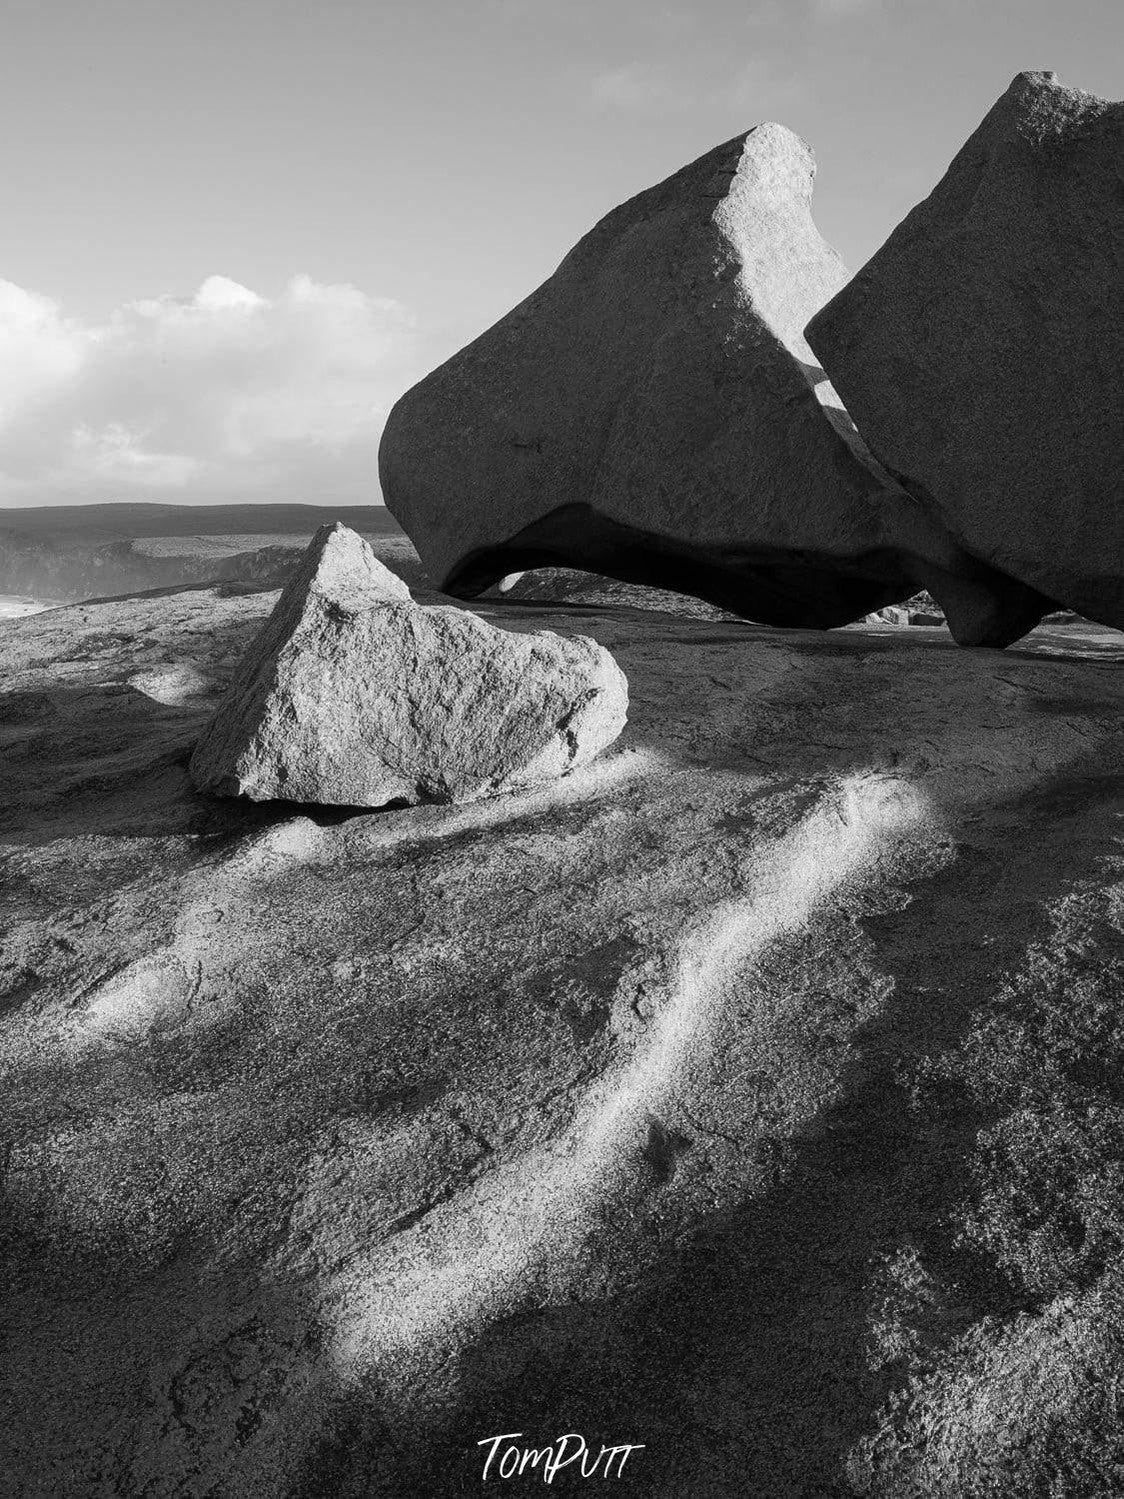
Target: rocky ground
(754, 1094)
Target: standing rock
(981, 350)
(653, 413)
(353, 695)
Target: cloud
(38, 348)
(222, 395)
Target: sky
(234, 231)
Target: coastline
(19, 606)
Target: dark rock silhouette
(981, 350)
(654, 414)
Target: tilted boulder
(653, 413)
(981, 350)
(354, 695)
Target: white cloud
(38, 349)
(222, 395)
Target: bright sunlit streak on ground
(476, 1257)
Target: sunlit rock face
(353, 695)
(653, 413)
(981, 350)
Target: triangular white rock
(353, 695)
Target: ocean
(15, 606)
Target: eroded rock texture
(353, 695)
(981, 350)
(752, 1093)
(653, 413)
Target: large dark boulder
(981, 350)
(653, 413)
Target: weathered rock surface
(981, 350)
(353, 695)
(653, 413)
(752, 1093)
